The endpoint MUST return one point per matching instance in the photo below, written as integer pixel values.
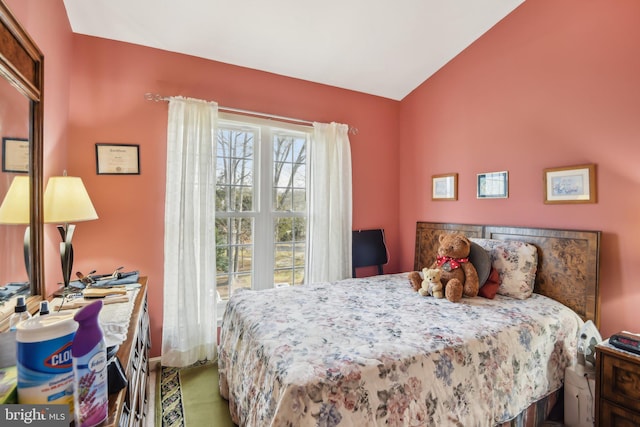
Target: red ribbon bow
(453, 262)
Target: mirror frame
(22, 64)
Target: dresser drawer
(616, 416)
(621, 382)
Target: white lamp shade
(66, 200)
(15, 208)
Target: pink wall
(556, 83)
(109, 80)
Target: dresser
(128, 407)
(617, 387)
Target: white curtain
(330, 206)
(189, 329)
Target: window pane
(281, 174)
(283, 255)
(299, 200)
(222, 287)
(298, 276)
(282, 199)
(298, 255)
(222, 260)
(242, 171)
(289, 250)
(282, 148)
(300, 229)
(281, 277)
(235, 169)
(241, 281)
(240, 199)
(226, 285)
(283, 231)
(289, 173)
(299, 177)
(234, 253)
(222, 196)
(242, 258)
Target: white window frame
(263, 214)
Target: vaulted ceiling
(384, 48)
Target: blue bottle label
(44, 371)
(91, 395)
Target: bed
(372, 352)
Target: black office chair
(368, 249)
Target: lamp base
(66, 251)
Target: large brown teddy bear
(459, 276)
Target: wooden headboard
(568, 260)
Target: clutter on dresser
(116, 278)
(116, 339)
(114, 316)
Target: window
(261, 204)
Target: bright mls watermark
(35, 415)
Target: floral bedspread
(373, 352)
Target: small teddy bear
(431, 284)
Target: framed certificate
(15, 155)
(117, 159)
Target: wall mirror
(21, 130)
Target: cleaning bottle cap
(20, 305)
(44, 308)
(89, 331)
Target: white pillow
(516, 263)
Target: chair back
(369, 249)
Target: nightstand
(617, 387)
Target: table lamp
(15, 210)
(66, 200)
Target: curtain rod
(157, 98)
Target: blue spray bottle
(89, 353)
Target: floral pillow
(516, 263)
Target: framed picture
(15, 155)
(444, 187)
(572, 184)
(117, 159)
(493, 185)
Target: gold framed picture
(444, 187)
(570, 184)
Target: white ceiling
(380, 47)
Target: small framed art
(444, 187)
(15, 155)
(493, 185)
(571, 184)
(117, 159)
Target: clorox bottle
(89, 353)
(44, 365)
